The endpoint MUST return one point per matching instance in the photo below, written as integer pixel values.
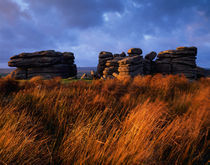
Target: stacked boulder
(47, 64)
(112, 65)
(103, 58)
(134, 52)
(131, 66)
(149, 64)
(179, 61)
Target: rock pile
(111, 67)
(120, 65)
(103, 58)
(47, 64)
(132, 65)
(179, 61)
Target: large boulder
(48, 64)
(179, 61)
(134, 51)
(41, 59)
(105, 54)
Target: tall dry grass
(145, 120)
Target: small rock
(151, 56)
(136, 51)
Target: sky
(87, 27)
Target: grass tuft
(146, 120)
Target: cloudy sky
(87, 27)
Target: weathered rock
(39, 59)
(111, 67)
(48, 64)
(58, 68)
(147, 66)
(188, 48)
(151, 56)
(131, 60)
(103, 58)
(129, 68)
(181, 67)
(47, 53)
(19, 74)
(176, 53)
(132, 55)
(103, 61)
(191, 63)
(136, 51)
(134, 73)
(104, 54)
(179, 61)
(109, 71)
(163, 68)
(165, 60)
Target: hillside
(145, 120)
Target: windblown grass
(145, 120)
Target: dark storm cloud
(75, 13)
(17, 32)
(87, 27)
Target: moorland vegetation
(145, 120)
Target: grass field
(145, 120)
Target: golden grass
(145, 120)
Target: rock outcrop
(179, 61)
(134, 52)
(112, 67)
(120, 65)
(47, 64)
(103, 58)
(130, 66)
